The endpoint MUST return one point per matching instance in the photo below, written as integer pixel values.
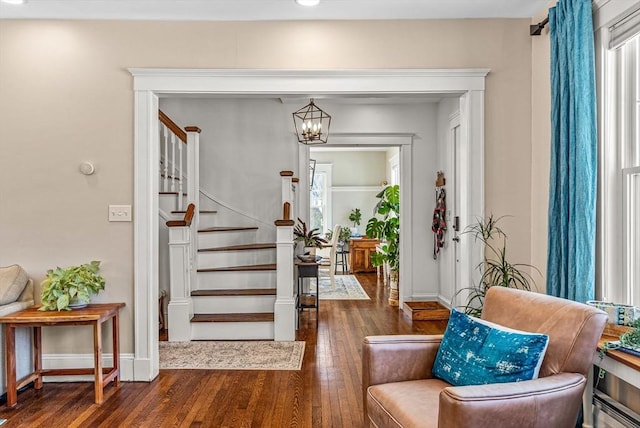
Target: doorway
(149, 84)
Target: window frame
(618, 87)
(325, 169)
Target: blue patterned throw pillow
(478, 352)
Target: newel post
(181, 264)
(285, 307)
(193, 187)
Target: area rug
(236, 355)
(347, 288)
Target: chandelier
(312, 124)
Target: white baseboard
(67, 361)
(423, 297)
(444, 302)
(431, 297)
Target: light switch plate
(119, 212)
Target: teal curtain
(573, 181)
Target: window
(320, 199)
(619, 211)
(629, 125)
(394, 164)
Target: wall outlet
(119, 212)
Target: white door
(454, 203)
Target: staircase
(230, 276)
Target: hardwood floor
(325, 393)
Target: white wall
(244, 144)
(418, 119)
(66, 96)
(354, 169)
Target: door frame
(405, 143)
(151, 83)
(456, 182)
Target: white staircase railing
(171, 140)
(173, 162)
(179, 174)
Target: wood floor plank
(325, 393)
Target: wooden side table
(308, 300)
(360, 254)
(94, 315)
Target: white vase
(310, 250)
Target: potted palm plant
(495, 269)
(310, 238)
(71, 287)
(387, 229)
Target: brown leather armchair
(400, 391)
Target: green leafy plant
(345, 234)
(355, 216)
(630, 339)
(387, 228)
(309, 238)
(495, 269)
(72, 284)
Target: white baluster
(173, 162)
(165, 169)
(294, 204)
(180, 177)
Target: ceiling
(265, 10)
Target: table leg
(97, 352)
(37, 356)
(587, 401)
(116, 349)
(10, 349)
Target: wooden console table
(360, 250)
(94, 315)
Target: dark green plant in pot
(495, 269)
(387, 230)
(72, 285)
(309, 237)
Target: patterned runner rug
(236, 355)
(347, 288)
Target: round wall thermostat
(87, 168)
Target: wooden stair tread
(248, 317)
(258, 246)
(227, 229)
(200, 212)
(270, 266)
(236, 292)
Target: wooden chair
(330, 262)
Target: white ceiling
(264, 10)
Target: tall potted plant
(387, 229)
(495, 269)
